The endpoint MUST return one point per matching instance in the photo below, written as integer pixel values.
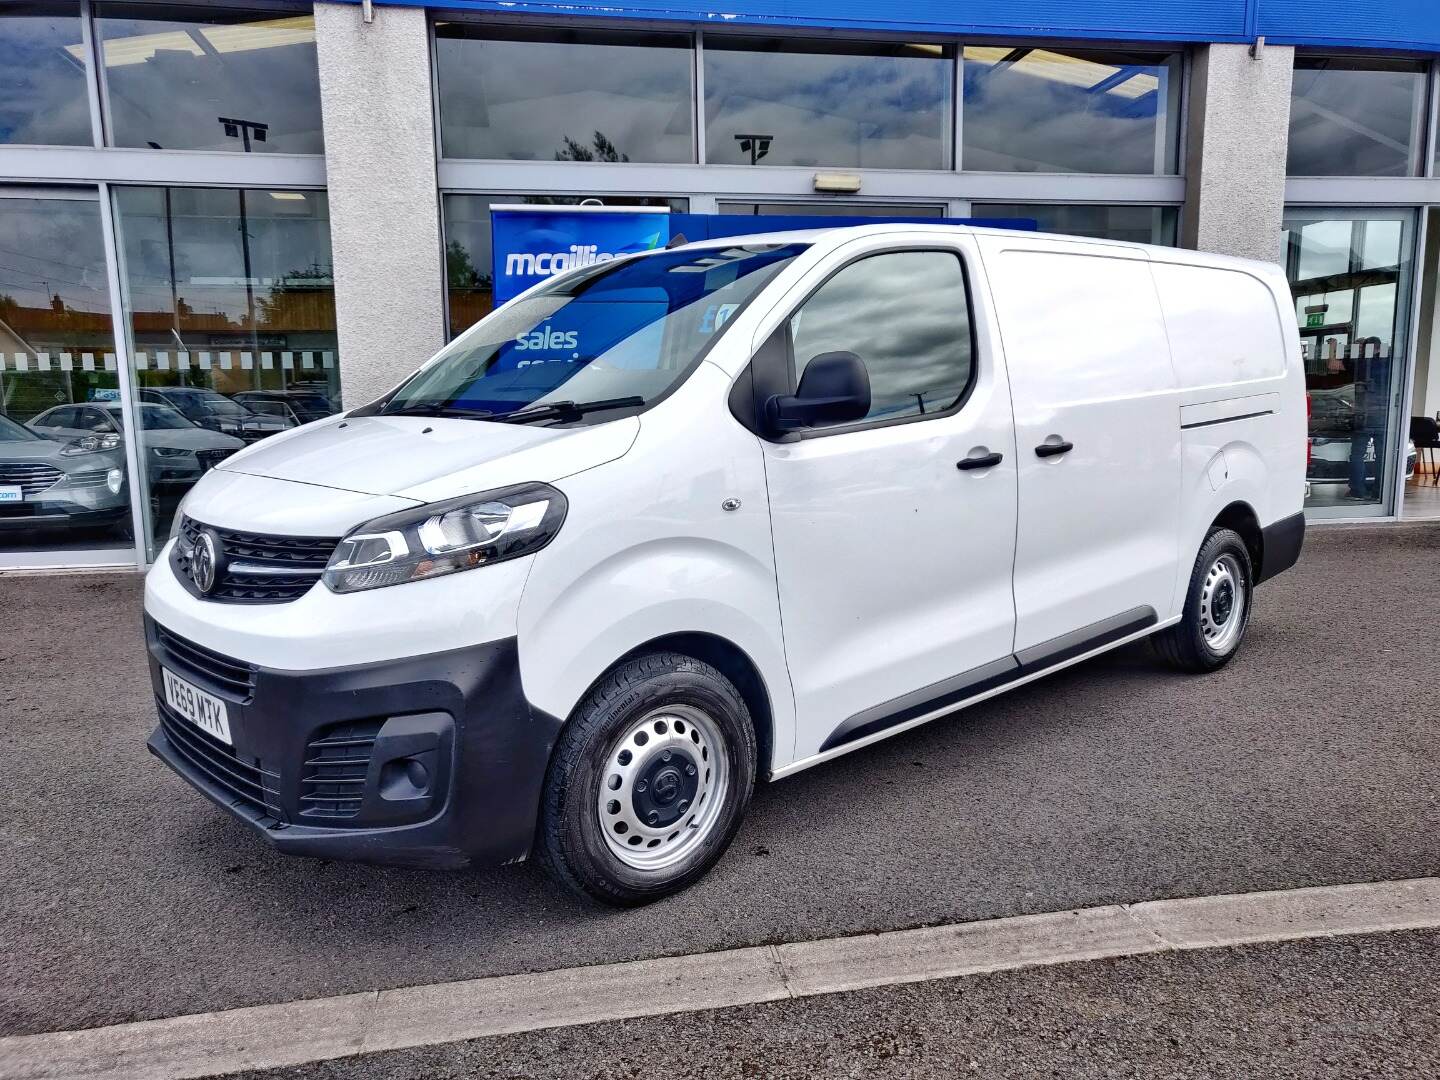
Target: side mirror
(834, 389)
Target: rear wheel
(1217, 606)
(649, 781)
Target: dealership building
(218, 220)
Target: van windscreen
(616, 337)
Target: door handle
(980, 461)
(1053, 449)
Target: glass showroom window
(1136, 224)
(1356, 117)
(468, 251)
(231, 305)
(564, 95)
(774, 101)
(43, 100)
(1062, 110)
(1350, 276)
(63, 483)
(210, 78)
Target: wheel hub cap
(666, 788)
(1224, 601)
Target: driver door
(895, 534)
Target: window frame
(832, 44)
(772, 366)
(1423, 126)
(102, 112)
(529, 29)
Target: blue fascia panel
(1408, 25)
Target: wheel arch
(731, 661)
(1240, 517)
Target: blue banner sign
(532, 243)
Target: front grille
(244, 778)
(31, 478)
(259, 569)
(336, 764)
(208, 459)
(234, 676)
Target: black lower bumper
(60, 515)
(1280, 546)
(427, 761)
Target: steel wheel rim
(1223, 600)
(652, 811)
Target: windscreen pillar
(384, 210)
(1237, 131)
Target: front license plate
(11, 493)
(205, 711)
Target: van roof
(1156, 252)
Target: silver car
(66, 483)
(177, 452)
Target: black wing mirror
(834, 389)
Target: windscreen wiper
(567, 410)
(435, 409)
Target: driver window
(906, 315)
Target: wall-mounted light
(837, 183)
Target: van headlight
(446, 537)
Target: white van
(664, 526)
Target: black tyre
(649, 781)
(1217, 606)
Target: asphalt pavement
(1314, 1010)
(1310, 760)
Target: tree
(604, 150)
(460, 269)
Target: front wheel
(649, 781)
(1217, 606)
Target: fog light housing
(115, 480)
(406, 778)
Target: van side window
(906, 315)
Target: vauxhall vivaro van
(669, 524)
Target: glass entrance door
(65, 489)
(1350, 275)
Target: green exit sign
(1314, 319)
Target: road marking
(274, 1036)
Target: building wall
(1239, 116)
(384, 211)
(1393, 24)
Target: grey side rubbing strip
(958, 688)
(1227, 419)
(1062, 648)
(919, 702)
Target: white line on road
(273, 1036)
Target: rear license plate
(11, 493)
(206, 711)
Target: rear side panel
(1241, 405)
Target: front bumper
(426, 761)
(60, 513)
